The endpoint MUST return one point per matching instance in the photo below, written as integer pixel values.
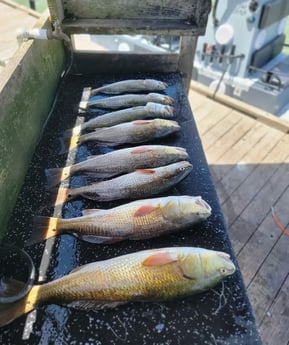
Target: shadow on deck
(249, 163)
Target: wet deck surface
(249, 165)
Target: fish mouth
(203, 203)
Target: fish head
(206, 267)
(179, 152)
(182, 169)
(186, 209)
(164, 127)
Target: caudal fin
(10, 312)
(59, 196)
(72, 132)
(43, 228)
(56, 175)
(68, 144)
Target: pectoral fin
(159, 259)
(144, 210)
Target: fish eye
(69, 195)
(223, 270)
(182, 168)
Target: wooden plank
(243, 229)
(130, 26)
(256, 113)
(275, 323)
(243, 169)
(221, 166)
(210, 115)
(267, 282)
(246, 191)
(37, 64)
(229, 138)
(186, 58)
(196, 100)
(189, 10)
(215, 133)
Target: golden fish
(150, 275)
(134, 221)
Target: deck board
(249, 162)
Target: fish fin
(56, 175)
(141, 122)
(144, 210)
(159, 259)
(43, 228)
(11, 311)
(91, 211)
(93, 305)
(91, 157)
(60, 196)
(145, 171)
(68, 144)
(139, 150)
(100, 239)
(72, 132)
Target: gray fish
(137, 85)
(119, 162)
(130, 100)
(150, 110)
(125, 133)
(141, 183)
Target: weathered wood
(186, 57)
(192, 11)
(261, 247)
(245, 108)
(130, 27)
(275, 323)
(27, 88)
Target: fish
(153, 275)
(119, 162)
(137, 220)
(125, 133)
(138, 184)
(150, 110)
(137, 85)
(126, 101)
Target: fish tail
(56, 175)
(43, 229)
(68, 144)
(11, 311)
(72, 132)
(60, 196)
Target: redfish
(150, 110)
(137, 220)
(152, 275)
(129, 100)
(141, 183)
(133, 85)
(125, 133)
(119, 162)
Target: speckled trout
(146, 276)
(137, 220)
(129, 100)
(119, 162)
(125, 133)
(141, 183)
(132, 85)
(150, 110)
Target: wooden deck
(248, 161)
(13, 17)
